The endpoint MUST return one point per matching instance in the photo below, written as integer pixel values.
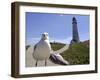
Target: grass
(56, 46)
(76, 54)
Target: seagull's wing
(58, 59)
(35, 46)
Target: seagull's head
(45, 36)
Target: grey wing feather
(57, 60)
(35, 47)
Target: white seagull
(43, 51)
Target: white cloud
(31, 41)
(67, 40)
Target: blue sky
(59, 27)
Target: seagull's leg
(36, 63)
(45, 62)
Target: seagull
(42, 49)
(58, 59)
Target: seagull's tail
(58, 59)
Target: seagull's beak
(45, 37)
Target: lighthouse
(75, 35)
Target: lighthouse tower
(75, 38)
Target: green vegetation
(57, 46)
(76, 54)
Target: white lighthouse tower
(75, 38)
